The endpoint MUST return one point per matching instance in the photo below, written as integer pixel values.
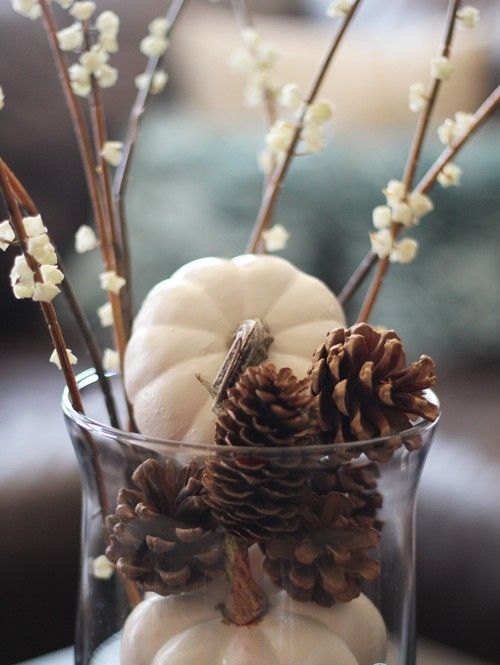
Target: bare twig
(81, 320)
(273, 188)
(413, 158)
(357, 278)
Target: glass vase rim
(89, 377)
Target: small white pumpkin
(186, 325)
(188, 630)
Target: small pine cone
(365, 389)
(359, 481)
(162, 533)
(256, 497)
(326, 560)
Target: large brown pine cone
(365, 389)
(326, 560)
(162, 534)
(254, 496)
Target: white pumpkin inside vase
(186, 326)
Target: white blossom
(102, 568)
(80, 80)
(401, 213)
(105, 314)
(33, 226)
(51, 275)
(381, 242)
(290, 97)
(85, 239)
(94, 59)
(420, 204)
(71, 38)
(158, 82)
(159, 27)
(251, 38)
(54, 358)
(29, 8)
(154, 46)
(83, 10)
(280, 136)
(276, 238)
(382, 217)
(42, 250)
(108, 23)
(111, 360)
(320, 111)
(313, 137)
(464, 121)
(45, 292)
(447, 131)
(339, 8)
(112, 152)
(107, 76)
(450, 175)
(108, 43)
(417, 97)
(395, 191)
(468, 17)
(441, 68)
(112, 282)
(2, 98)
(265, 160)
(404, 251)
(7, 235)
(22, 278)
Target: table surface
(429, 653)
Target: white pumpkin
(186, 325)
(188, 630)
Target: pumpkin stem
(246, 602)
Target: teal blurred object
(195, 192)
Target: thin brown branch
(81, 320)
(357, 278)
(413, 158)
(273, 188)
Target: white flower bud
(22, 291)
(111, 360)
(447, 131)
(112, 282)
(85, 239)
(251, 38)
(51, 275)
(158, 82)
(45, 292)
(450, 175)
(320, 111)
(42, 250)
(420, 204)
(29, 8)
(464, 121)
(108, 22)
(468, 17)
(154, 46)
(265, 160)
(22, 278)
(33, 226)
(108, 43)
(93, 60)
(339, 8)
(105, 314)
(80, 80)
(102, 568)
(54, 358)
(83, 10)
(70, 38)
(276, 238)
(441, 68)
(2, 98)
(395, 191)
(107, 76)
(112, 152)
(280, 136)
(404, 251)
(312, 135)
(381, 242)
(159, 27)
(290, 97)
(7, 235)
(401, 213)
(417, 97)
(381, 217)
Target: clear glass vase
(339, 592)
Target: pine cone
(365, 389)
(162, 534)
(256, 497)
(359, 481)
(326, 559)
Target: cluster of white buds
(256, 61)
(54, 358)
(450, 175)
(92, 63)
(158, 81)
(108, 27)
(276, 238)
(105, 314)
(39, 247)
(82, 9)
(29, 8)
(85, 239)
(468, 17)
(111, 282)
(451, 128)
(441, 68)
(339, 8)
(401, 208)
(155, 44)
(112, 152)
(417, 97)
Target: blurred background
(194, 192)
